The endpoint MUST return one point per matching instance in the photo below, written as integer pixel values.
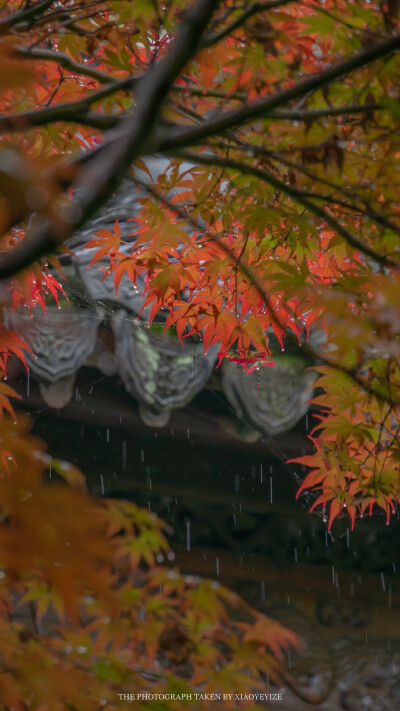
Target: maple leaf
(11, 343)
(108, 242)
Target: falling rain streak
(188, 535)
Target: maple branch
(77, 111)
(17, 18)
(198, 226)
(104, 122)
(199, 91)
(254, 279)
(312, 114)
(363, 207)
(249, 12)
(352, 374)
(188, 135)
(296, 195)
(65, 61)
(100, 176)
(73, 111)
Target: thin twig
(254, 9)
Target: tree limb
(65, 61)
(73, 111)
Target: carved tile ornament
(272, 400)
(61, 340)
(157, 371)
